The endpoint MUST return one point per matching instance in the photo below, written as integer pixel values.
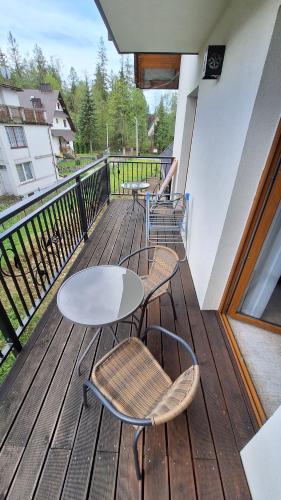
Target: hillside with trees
(100, 104)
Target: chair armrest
(182, 342)
(135, 253)
(125, 418)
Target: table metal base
(96, 335)
(136, 200)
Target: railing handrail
(27, 202)
(142, 157)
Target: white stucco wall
(223, 115)
(9, 97)
(38, 151)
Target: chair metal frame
(139, 422)
(149, 297)
(166, 218)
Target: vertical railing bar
(52, 217)
(51, 242)
(67, 215)
(37, 264)
(44, 249)
(8, 329)
(71, 205)
(81, 208)
(65, 227)
(39, 245)
(11, 300)
(13, 276)
(85, 188)
(29, 291)
(76, 218)
(61, 231)
(93, 199)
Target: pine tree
(100, 94)
(86, 121)
(15, 60)
(161, 135)
(40, 64)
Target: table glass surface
(135, 185)
(100, 295)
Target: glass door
(256, 292)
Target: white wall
(9, 97)
(38, 151)
(223, 115)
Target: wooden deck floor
(54, 448)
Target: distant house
(62, 127)
(27, 162)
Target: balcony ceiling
(178, 26)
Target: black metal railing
(40, 234)
(36, 246)
(127, 169)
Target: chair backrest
(164, 262)
(168, 178)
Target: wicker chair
(164, 265)
(134, 387)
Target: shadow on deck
(54, 448)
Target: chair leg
(141, 320)
(85, 399)
(136, 455)
(173, 304)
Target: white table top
(100, 295)
(135, 185)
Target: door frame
(258, 223)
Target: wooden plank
(51, 480)
(79, 471)
(234, 397)
(12, 399)
(28, 472)
(9, 460)
(156, 478)
(109, 435)
(207, 480)
(198, 421)
(179, 451)
(69, 418)
(103, 483)
(230, 466)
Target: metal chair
(132, 385)
(163, 266)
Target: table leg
(87, 350)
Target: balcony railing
(16, 114)
(41, 233)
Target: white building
(26, 159)
(62, 127)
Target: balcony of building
(53, 447)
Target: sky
(66, 29)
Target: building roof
(68, 135)
(11, 87)
(49, 101)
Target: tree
(161, 135)
(100, 94)
(15, 60)
(86, 121)
(40, 64)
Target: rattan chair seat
(134, 382)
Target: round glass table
(135, 186)
(100, 296)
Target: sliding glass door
(256, 293)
